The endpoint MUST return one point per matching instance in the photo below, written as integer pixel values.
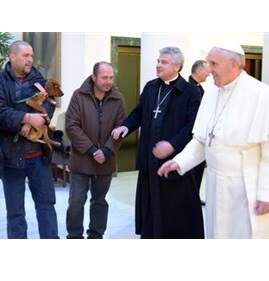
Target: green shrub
(5, 38)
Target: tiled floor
(121, 200)
(121, 209)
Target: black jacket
(12, 112)
(177, 122)
(198, 85)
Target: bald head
(99, 65)
(21, 58)
(16, 46)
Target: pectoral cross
(211, 137)
(157, 111)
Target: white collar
(167, 82)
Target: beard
(27, 69)
(104, 88)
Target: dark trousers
(43, 193)
(79, 187)
(199, 172)
(167, 208)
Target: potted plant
(5, 38)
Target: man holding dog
(22, 158)
(95, 109)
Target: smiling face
(166, 69)
(21, 60)
(104, 79)
(223, 69)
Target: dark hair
(196, 65)
(97, 66)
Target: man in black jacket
(22, 158)
(165, 208)
(199, 73)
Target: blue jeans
(43, 193)
(79, 187)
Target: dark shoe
(202, 203)
(94, 235)
(74, 237)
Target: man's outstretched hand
(119, 132)
(168, 167)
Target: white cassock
(237, 159)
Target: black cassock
(166, 208)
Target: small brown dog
(50, 92)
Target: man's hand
(168, 167)
(261, 208)
(36, 120)
(43, 94)
(99, 156)
(163, 149)
(119, 132)
(25, 130)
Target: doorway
(253, 61)
(126, 62)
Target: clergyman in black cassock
(165, 207)
(200, 72)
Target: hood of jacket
(87, 88)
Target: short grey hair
(16, 46)
(175, 53)
(239, 59)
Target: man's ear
(179, 68)
(93, 78)
(235, 63)
(11, 57)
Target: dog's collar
(26, 99)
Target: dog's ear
(53, 88)
(48, 86)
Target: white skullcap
(231, 46)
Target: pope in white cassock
(231, 133)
